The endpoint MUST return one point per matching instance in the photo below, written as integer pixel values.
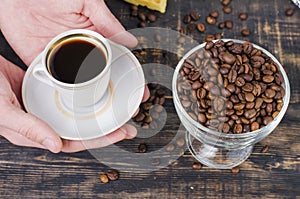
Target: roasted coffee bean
(243, 16)
(201, 27)
(267, 120)
(240, 82)
(221, 25)
(235, 170)
(142, 16)
(228, 24)
(249, 97)
(214, 14)
(227, 9)
(270, 93)
(187, 19)
(142, 25)
(218, 36)
(250, 113)
(254, 126)
(151, 17)
(210, 20)
(134, 13)
(191, 27)
(103, 178)
(142, 148)
(209, 38)
(225, 2)
(113, 175)
(232, 76)
(268, 78)
(245, 32)
(289, 12)
(140, 117)
(197, 166)
(148, 119)
(209, 45)
(228, 58)
(238, 128)
(201, 118)
(195, 15)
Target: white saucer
(123, 98)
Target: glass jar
(216, 149)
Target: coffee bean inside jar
(231, 87)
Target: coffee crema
(76, 60)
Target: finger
(136, 112)
(146, 94)
(30, 127)
(107, 24)
(125, 132)
(18, 139)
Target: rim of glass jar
(275, 121)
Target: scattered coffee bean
(140, 117)
(197, 166)
(103, 178)
(227, 9)
(214, 14)
(221, 25)
(195, 15)
(235, 170)
(201, 27)
(187, 19)
(134, 8)
(289, 12)
(265, 149)
(142, 24)
(142, 16)
(245, 32)
(142, 148)
(225, 2)
(228, 24)
(209, 38)
(151, 17)
(190, 27)
(243, 16)
(113, 175)
(218, 36)
(210, 20)
(134, 13)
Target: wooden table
(34, 173)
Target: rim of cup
(91, 35)
(275, 121)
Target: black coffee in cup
(76, 60)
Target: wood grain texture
(34, 173)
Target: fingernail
(49, 144)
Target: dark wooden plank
(34, 173)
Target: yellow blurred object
(159, 5)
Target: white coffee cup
(80, 94)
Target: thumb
(107, 24)
(31, 127)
